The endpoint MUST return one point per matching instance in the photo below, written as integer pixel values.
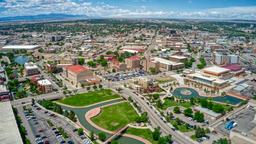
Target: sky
(196, 9)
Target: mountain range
(43, 17)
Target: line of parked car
(124, 75)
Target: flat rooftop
(216, 70)
(178, 57)
(30, 66)
(9, 132)
(44, 82)
(21, 47)
(165, 61)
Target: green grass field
(89, 98)
(116, 116)
(144, 133)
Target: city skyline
(200, 9)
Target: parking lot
(244, 120)
(120, 76)
(50, 129)
(40, 129)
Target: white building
(233, 59)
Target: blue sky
(220, 9)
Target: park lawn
(116, 116)
(144, 133)
(172, 103)
(89, 98)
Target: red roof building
(235, 69)
(77, 73)
(76, 68)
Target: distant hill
(43, 17)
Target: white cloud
(82, 7)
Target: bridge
(117, 133)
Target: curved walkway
(96, 111)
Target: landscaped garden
(89, 98)
(116, 116)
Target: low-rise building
(133, 62)
(118, 66)
(45, 86)
(167, 65)
(235, 69)
(206, 82)
(217, 71)
(178, 58)
(78, 75)
(31, 69)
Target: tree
(199, 117)
(88, 88)
(104, 63)
(114, 142)
(33, 101)
(92, 136)
(94, 87)
(159, 104)
(188, 112)
(221, 141)
(204, 103)
(152, 70)
(81, 61)
(142, 118)
(218, 108)
(80, 131)
(176, 110)
(100, 86)
(199, 132)
(66, 113)
(91, 64)
(156, 96)
(102, 136)
(156, 134)
(165, 140)
(72, 116)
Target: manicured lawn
(89, 98)
(172, 103)
(144, 133)
(116, 116)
